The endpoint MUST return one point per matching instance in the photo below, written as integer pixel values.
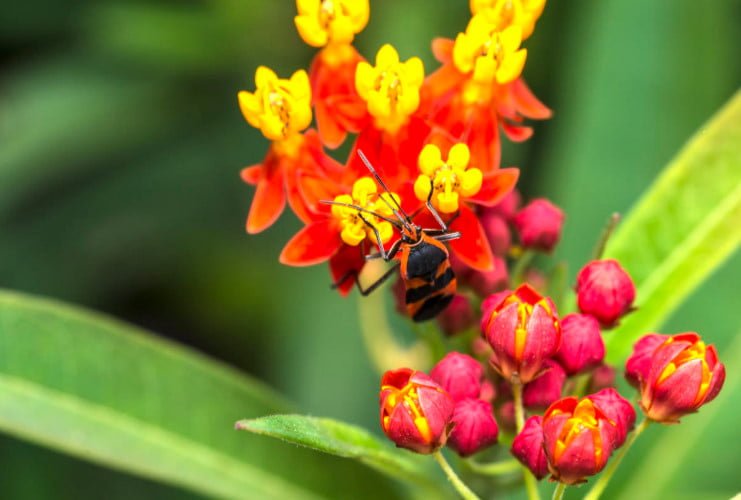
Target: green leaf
(109, 393)
(344, 440)
(682, 228)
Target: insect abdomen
(425, 299)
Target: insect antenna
(397, 224)
(398, 211)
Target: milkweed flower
(460, 375)
(332, 25)
(605, 290)
(415, 411)
(684, 374)
(546, 388)
(503, 13)
(527, 447)
(582, 346)
(539, 225)
(638, 363)
(474, 427)
(523, 330)
(281, 110)
(343, 233)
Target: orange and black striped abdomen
(429, 279)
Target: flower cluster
(433, 137)
(532, 361)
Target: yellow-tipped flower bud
(447, 179)
(503, 13)
(279, 107)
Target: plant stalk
(494, 468)
(531, 484)
(463, 490)
(558, 492)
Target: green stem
(601, 483)
(558, 492)
(599, 249)
(463, 490)
(531, 484)
(495, 468)
(518, 271)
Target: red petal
(251, 175)
(442, 49)
(516, 133)
(268, 203)
(315, 243)
(349, 259)
(472, 247)
(527, 104)
(330, 132)
(496, 186)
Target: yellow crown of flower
(321, 22)
(279, 107)
(448, 180)
(391, 87)
(490, 54)
(356, 225)
(503, 13)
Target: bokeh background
(120, 147)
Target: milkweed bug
(423, 259)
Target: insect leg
(380, 281)
(432, 209)
(384, 256)
(389, 255)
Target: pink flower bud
(639, 362)
(460, 375)
(497, 232)
(522, 328)
(604, 290)
(457, 317)
(602, 377)
(527, 447)
(684, 374)
(508, 206)
(474, 427)
(582, 346)
(480, 348)
(488, 391)
(415, 411)
(578, 439)
(539, 225)
(487, 282)
(544, 390)
(618, 410)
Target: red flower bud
(457, 317)
(605, 291)
(488, 391)
(578, 439)
(639, 363)
(618, 410)
(523, 330)
(460, 375)
(487, 282)
(582, 346)
(474, 427)
(508, 206)
(497, 232)
(539, 224)
(684, 375)
(415, 411)
(602, 377)
(544, 390)
(527, 447)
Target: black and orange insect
(423, 259)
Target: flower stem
(601, 483)
(558, 492)
(599, 249)
(530, 483)
(518, 271)
(494, 468)
(463, 490)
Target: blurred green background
(121, 143)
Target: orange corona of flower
(447, 179)
(489, 54)
(279, 107)
(358, 225)
(390, 88)
(503, 13)
(323, 22)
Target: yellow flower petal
(339, 210)
(429, 160)
(459, 156)
(385, 230)
(353, 234)
(422, 187)
(250, 106)
(484, 70)
(461, 54)
(362, 188)
(408, 102)
(264, 76)
(342, 30)
(387, 56)
(511, 67)
(510, 38)
(308, 7)
(414, 71)
(311, 31)
(299, 85)
(379, 105)
(447, 202)
(471, 182)
(365, 77)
